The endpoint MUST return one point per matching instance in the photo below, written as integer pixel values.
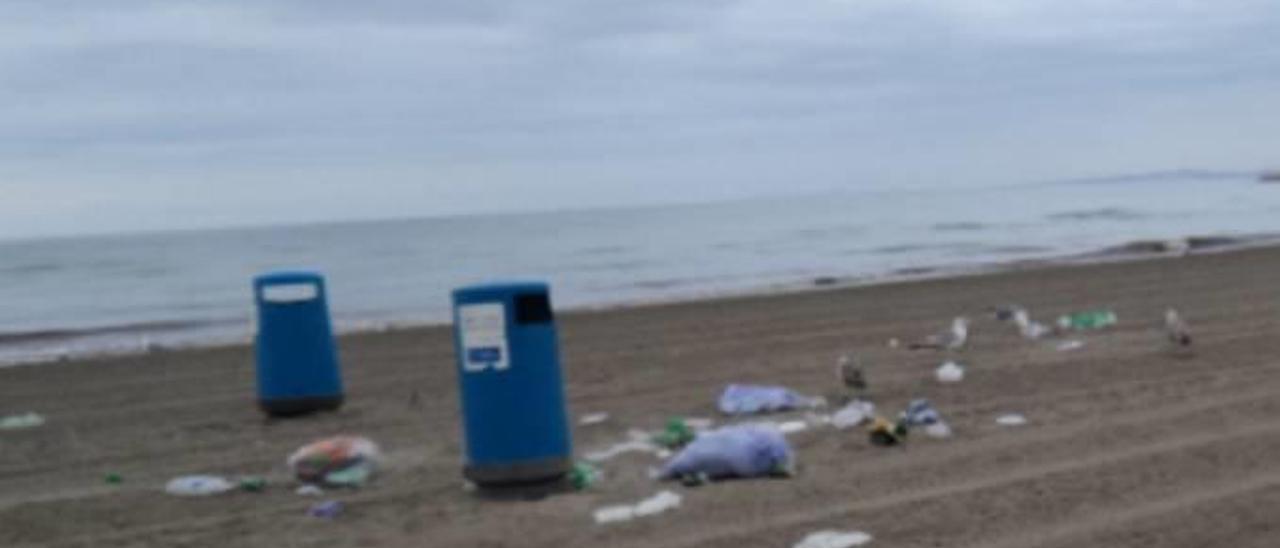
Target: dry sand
(1127, 444)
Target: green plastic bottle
(583, 476)
(1091, 319)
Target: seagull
(849, 373)
(951, 339)
(1176, 329)
(1006, 312)
(1029, 329)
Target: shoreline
(1125, 436)
(1131, 251)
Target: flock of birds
(850, 371)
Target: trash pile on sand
(336, 462)
(748, 446)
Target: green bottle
(583, 476)
(1092, 319)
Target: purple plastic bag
(744, 451)
(747, 399)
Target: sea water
(92, 294)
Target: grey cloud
(458, 96)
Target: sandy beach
(1127, 444)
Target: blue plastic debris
(744, 451)
(746, 399)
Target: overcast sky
(128, 115)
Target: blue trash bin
(297, 360)
(513, 406)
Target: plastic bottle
(583, 476)
(1092, 319)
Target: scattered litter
(337, 461)
(593, 418)
(849, 416)
(657, 504)
(583, 476)
(328, 509)
(1092, 319)
(1011, 419)
(675, 434)
(894, 343)
(113, 478)
(21, 422)
(791, 427)
(920, 413)
(253, 484)
(885, 433)
(198, 486)
(733, 451)
(834, 539)
(639, 442)
(746, 399)
(614, 514)
(309, 490)
(938, 430)
(950, 372)
(1067, 346)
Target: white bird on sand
(951, 339)
(850, 374)
(1029, 329)
(1176, 329)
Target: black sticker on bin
(533, 308)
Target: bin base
(286, 407)
(520, 473)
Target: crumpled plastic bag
(744, 451)
(337, 461)
(849, 416)
(950, 372)
(747, 399)
(834, 539)
(920, 413)
(198, 486)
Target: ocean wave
(1015, 249)
(603, 250)
(959, 226)
(32, 268)
(1100, 214)
(56, 334)
(1178, 245)
(901, 249)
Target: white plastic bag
(198, 486)
(834, 539)
(850, 416)
(950, 372)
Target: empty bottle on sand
(1091, 319)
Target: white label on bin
(484, 337)
(290, 293)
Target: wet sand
(1128, 444)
